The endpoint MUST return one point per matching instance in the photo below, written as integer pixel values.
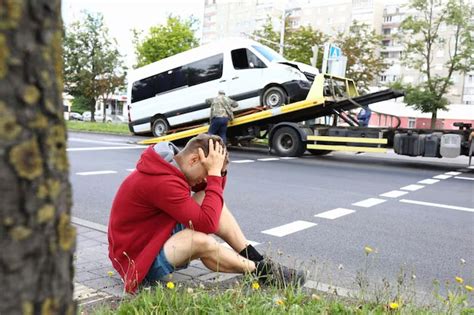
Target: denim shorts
(161, 267)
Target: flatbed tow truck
(333, 96)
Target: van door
(204, 80)
(246, 80)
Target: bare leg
(187, 245)
(229, 229)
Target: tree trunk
(434, 116)
(92, 106)
(37, 239)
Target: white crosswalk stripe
(289, 228)
(335, 213)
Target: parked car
(75, 116)
(98, 116)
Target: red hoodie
(148, 205)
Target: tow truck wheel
(287, 142)
(274, 97)
(159, 127)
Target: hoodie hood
(159, 160)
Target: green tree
(300, 42)
(422, 36)
(268, 36)
(163, 41)
(90, 57)
(37, 239)
(361, 46)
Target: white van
(172, 92)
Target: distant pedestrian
(221, 114)
(364, 116)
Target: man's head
(190, 162)
(221, 92)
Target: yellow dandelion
(255, 286)
(368, 250)
(170, 285)
(469, 288)
(110, 273)
(280, 302)
(394, 305)
(459, 280)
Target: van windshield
(268, 53)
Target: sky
(123, 15)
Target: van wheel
(274, 97)
(159, 127)
(287, 142)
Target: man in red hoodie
(157, 226)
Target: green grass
(87, 126)
(244, 298)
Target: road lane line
(268, 159)
(367, 203)
(442, 176)
(289, 228)
(242, 161)
(96, 141)
(453, 173)
(428, 181)
(130, 169)
(463, 170)
(288, 158)
(394, 194)
(413, 187)
(437, 205)
(96, 173)
(334, 214)
(107, 148)
(465, 178)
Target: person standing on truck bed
(221, 114)
(364, 116)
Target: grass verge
(249, 298)
(100, 127)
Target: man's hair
(202, 141)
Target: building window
(386, 43)
(386, 31)
(383, 78)
(411, 122)
(387, 18)
(469, 78)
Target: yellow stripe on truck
(345, 148)
(347, 139)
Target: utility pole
(282, 32)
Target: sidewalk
(95, 279)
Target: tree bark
(434, 117)
(37, 239)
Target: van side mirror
(251, 65)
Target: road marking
(394, 194)
(289, 228)
(288, 158)
(96, 173)
(437, 205)
(334, 214)
(471, 167)
(367, 203)
(428, 181)
(96, 141)
(442, 176)
(243, 161)
(465, 178)
(413, 187)
(269, 159)
(453, 173)
(107, 148)
(130, 169)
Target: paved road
(417, 214)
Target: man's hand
(214, 161)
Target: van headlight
(298, 74)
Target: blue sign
(334, 52)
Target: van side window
(205, 70)
(171, 80)
(143, 89)
(243, 58)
